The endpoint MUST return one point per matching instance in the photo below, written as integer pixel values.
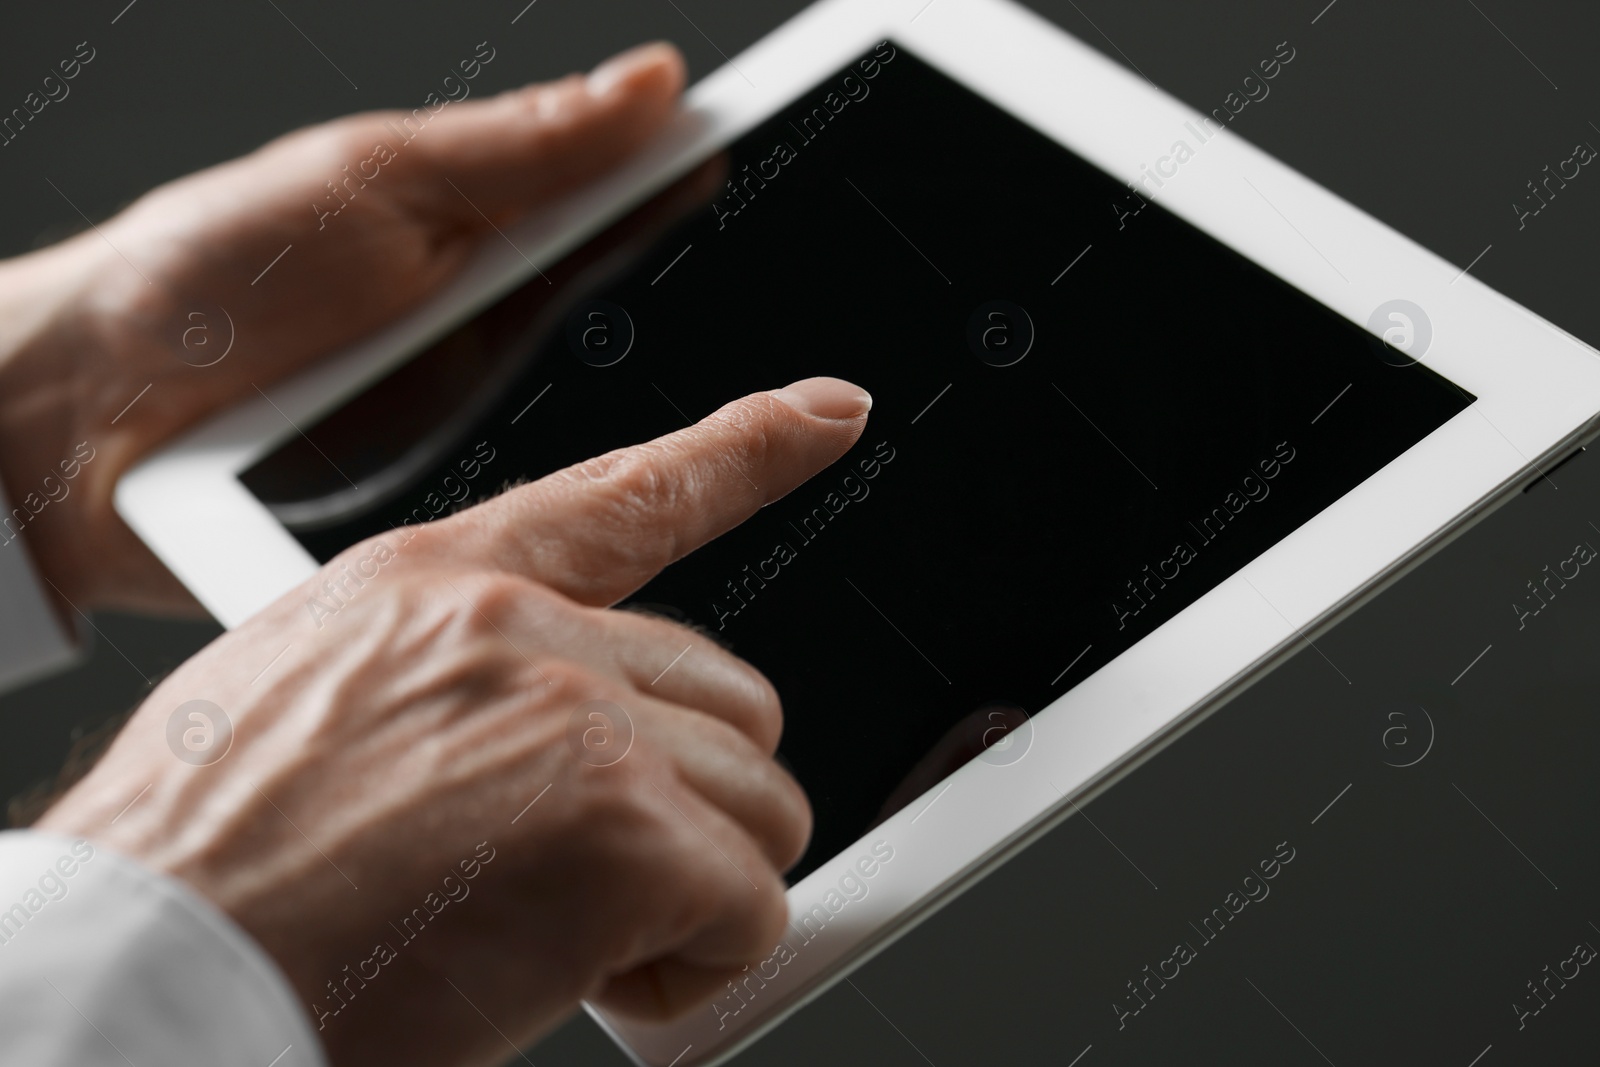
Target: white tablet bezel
(1538, 391)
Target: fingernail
(624, 66)
(826, 398)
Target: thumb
(600, 530)
(507, 153)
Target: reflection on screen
(1083, 419)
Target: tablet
(1151, 411)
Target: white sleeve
(33, 641)
(105, 964)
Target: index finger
(599, 530)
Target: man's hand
(87, 324)
(444, 714)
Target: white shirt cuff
(104, 963)
(33, 641)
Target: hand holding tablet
(227, 280)
(598, 782)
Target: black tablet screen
(1087, 414)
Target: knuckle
(624, 494)
(544, 110)
(761, 710)
(627, 480)
(776, 807)
(757, 696)
(592, 471)
(325, 143)
(750, 430)
(489, 602)
(565, 684)
(642, 832)
(759, 700)
(635, 483)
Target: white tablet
(1151, 410)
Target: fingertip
(826, 398)
(654, 69)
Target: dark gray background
(1423, 113)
